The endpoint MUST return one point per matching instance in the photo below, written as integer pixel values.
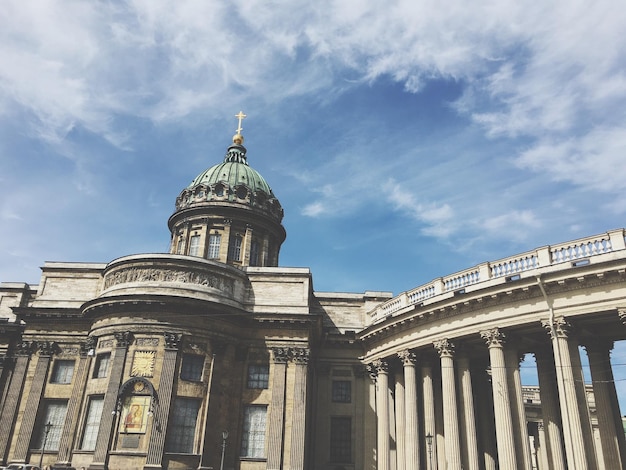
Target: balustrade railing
(505, 269)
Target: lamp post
(46, 430)
(429, 443)
(224, 437)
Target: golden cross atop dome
(241, 116)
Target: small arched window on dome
(242, 192)
(234, 248)
(219, 190)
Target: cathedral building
(214, 356)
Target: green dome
(232, 181)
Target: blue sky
(406, 140)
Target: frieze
(147, 341)
(105, 343)
(185, 276)
(72, 351)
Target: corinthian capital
(493, 337)
(444, 347)
(407, 357)
(559, 328)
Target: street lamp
(224, 437)
(46, 431)
(429, 443)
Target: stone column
(381, 369)
(501, 402)
(27, 423)
(400, 422)
(275, 440)
(542, 454)
(300, 357)
(156, 446)
(23, 352)
(412, 438)
(602, 377)
(369, 418)
(583, 405)
(570, 411)
(486, 419)
(518, 412)
(109, 407)
(71, 424)
(469, 420)
(549, 409)
(450, 413)
(430, 429)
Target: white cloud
(314, 209)
(438, 218)
(594, 160)
(514, 225)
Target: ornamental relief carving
(147, 341)
(212, 280)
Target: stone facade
(213, 356)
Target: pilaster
(27, 423)
(71, 425)
(276, 423)
(23, 352)
(300, 357)
(109, 407)
(156, 446)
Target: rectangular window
(341, 439)
(92, 423)
(180, 246)
(182, 427)
(191, 368)
(101, 368)
(194, 245)
(254, 253)
(253, 439)
(258, 375)
(62, 372)
(215, 241)
(342, 391)
(234, 250)
(53, 413)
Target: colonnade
(458, 404)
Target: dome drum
(174, 276)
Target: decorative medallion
(143, 364)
